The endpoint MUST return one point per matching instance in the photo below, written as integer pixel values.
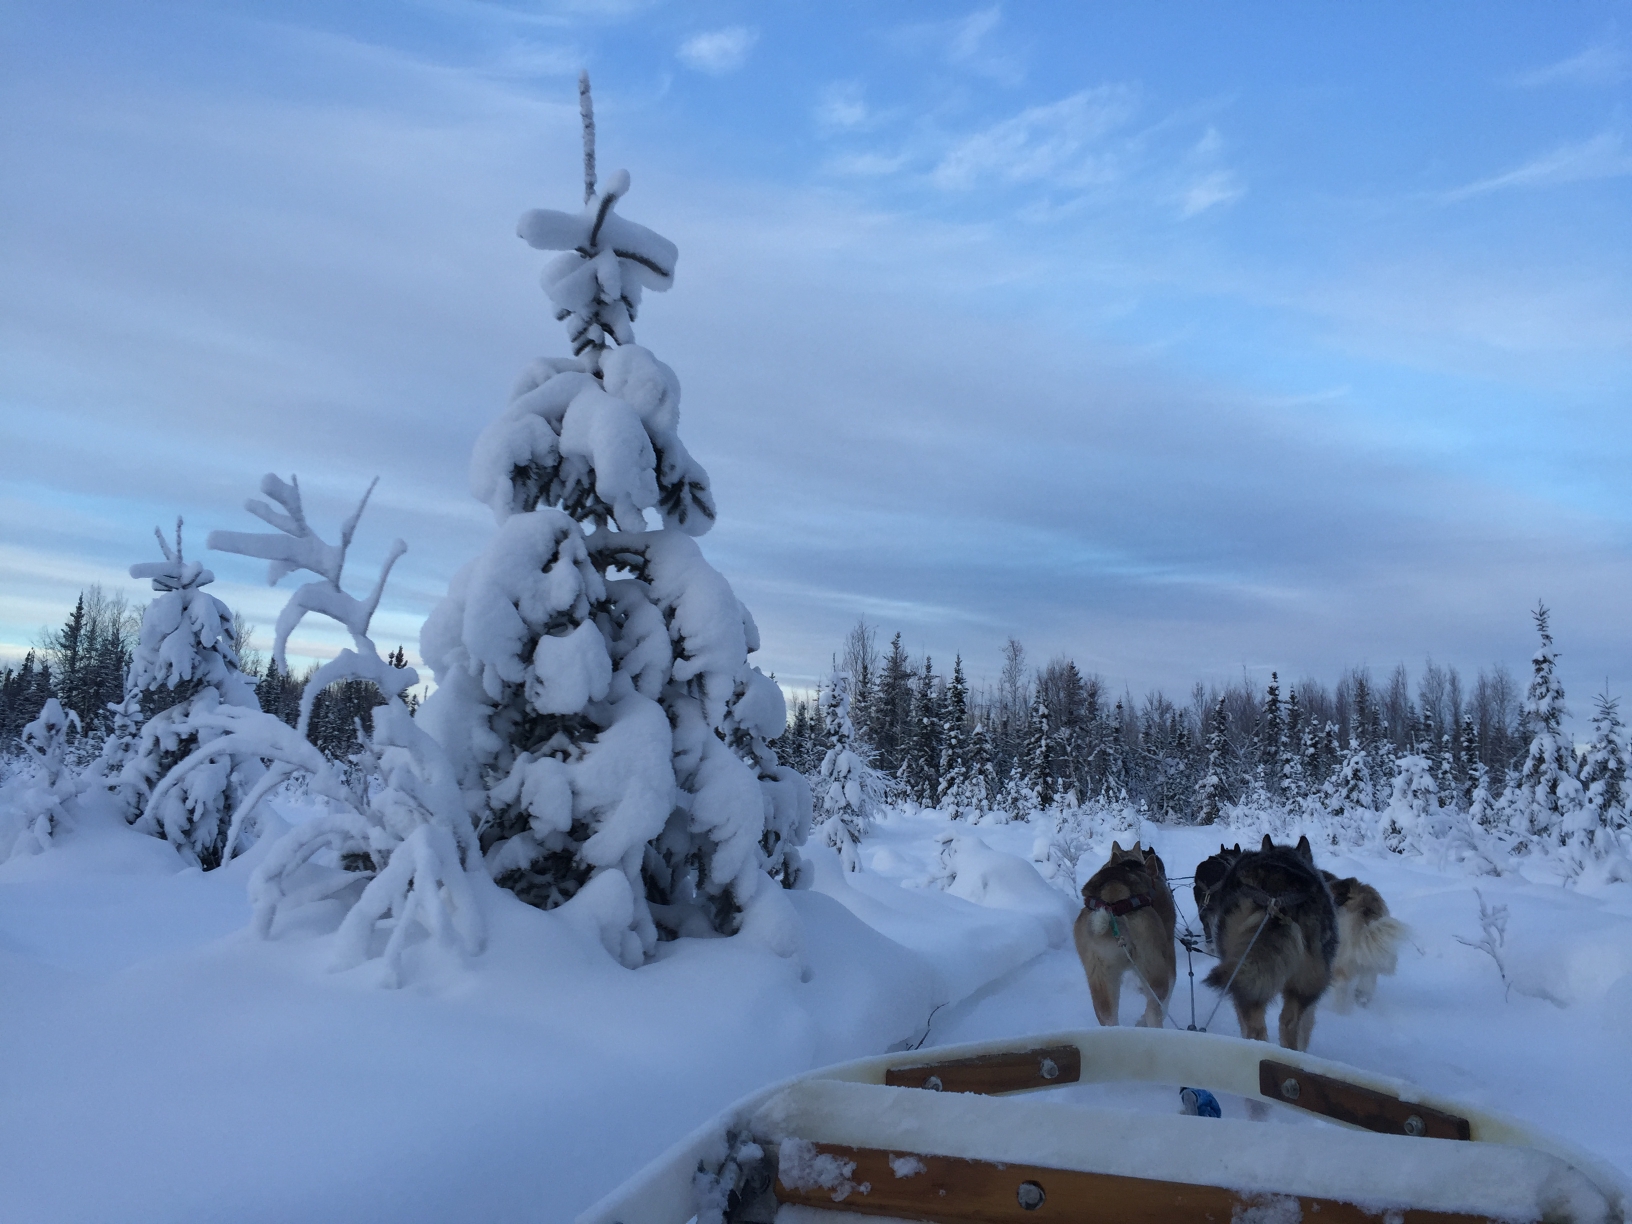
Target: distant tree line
(83, 664)
(1051, 734)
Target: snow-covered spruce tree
(981, 786)
(890, 710)
(397, 846)
(954, 764)
(921, 768)
(1449, 785)
(184, 670)
(1483, 811)
(33, 800)
(594, 690)
(1294, 784)
(1271, 740)
(1410, 822)
(1039, 754)
(1210, 791)
(1604, 816)
(1467, 752)
(1548, 791)
(1349, 799)
(847, 801)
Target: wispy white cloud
(1058, 141)
(1603, 156)
(1601, 64)
(842, 105)
(867, 165)
(718, 51)
(1209, 191)
(973, 43)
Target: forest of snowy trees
(1050, 737)
(83, 664)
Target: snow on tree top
(606, 261)
(174, 573)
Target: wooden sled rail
(909, 1186)
(1016, 1071)
(1345, 1102)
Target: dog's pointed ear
(1305, 851)
(1116, 851)
(1237, 849)
(1222, 848)
(1268, 845)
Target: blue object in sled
(1199, 1103)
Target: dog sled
(970, 1133)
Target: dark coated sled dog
(1368, 941)
(1210, 873)
(1274, 926)
(1126, 924)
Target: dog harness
(1116, 909)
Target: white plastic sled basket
(956, 1134)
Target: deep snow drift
(165, 1063)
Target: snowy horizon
(1177, 346)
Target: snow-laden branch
(298, 547)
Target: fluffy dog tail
(1377, 945)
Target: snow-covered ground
(162, 1063)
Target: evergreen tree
(1039, 773)
(846, 813)
(33, 805)
(594, 690)
(1445, 772)
(1348, 796)
(1271, 740)
(24, 690)
(921, 770)
(1468, 761)
(1015, 796)
(1294, 783)
(1603, 778)
(1483, 809)
(955, 763)
(278, 693)
(891, 712)
(981, 787)
(184, 669)
(1322, 750)
(1408, 823)
(1548, 789)
(1115, 786)
(71, 658)
(1211, 792)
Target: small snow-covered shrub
(849, 787)
(185, 669)
(397, 846)
(34, 795)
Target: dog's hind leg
(1249, 1014)
(1297, 1020)
(1105, 988)
(1160, 977)
(1298, 998)
(1365, 985)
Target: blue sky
(1182, 339)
